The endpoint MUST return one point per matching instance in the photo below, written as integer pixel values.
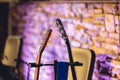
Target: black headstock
(61, 29)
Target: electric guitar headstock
(61, 30)
(45, 40)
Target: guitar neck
(71, 59)
(42, 47)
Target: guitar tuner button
(62, 31)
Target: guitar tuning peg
(64, 37)
(62, 32)
(57, 29)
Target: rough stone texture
(91, 26)
(109, 22)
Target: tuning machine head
(60, 28)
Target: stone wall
(88, 25)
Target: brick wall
(91, 26)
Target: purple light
(87, 27)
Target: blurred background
(90, 24)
